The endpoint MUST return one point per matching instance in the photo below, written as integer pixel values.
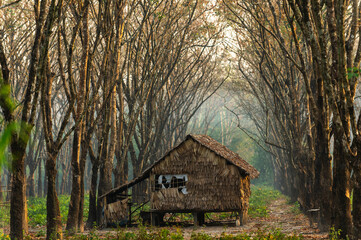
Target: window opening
(171, 181)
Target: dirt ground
(282, 216)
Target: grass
(261, 197)
(148, 233)
(177, 234)
(4, 216)
(37, 209)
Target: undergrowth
(37, 209)
(4, 215)
(261, 197)
(144, 233)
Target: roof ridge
(224, 152)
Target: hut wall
(116, 212)
(212, 184)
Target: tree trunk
(323, 179)
(341, 192)
(40, 180)
(57, 185)
(75, 198)
(68, 184)
(83, 154)
(122, 171)
(64, 178)
(92, 216)
(138, 190)
(72, 222)
(18, 193)
(356, 203)
(31, 185)
(53, 225)
(8, 187)
(45, 188)
(105, 168)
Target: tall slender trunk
(18, 194)
(92, 216)
(323, 179)
(75, 198)
(45, 188)
(31, 185)
(72, 222)
(356, 203)
(68, 184)
(40, 180)
(341, 189)
(83, 154)
(8, 186)
(53, 225)
(57, 185)
(105, 168)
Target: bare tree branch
(10, 4)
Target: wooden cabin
(199, 175)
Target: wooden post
(130, 213)
(156, 218)
(198, 218)
(241, 218)
(153, 220)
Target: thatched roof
(225, 153)
(205, 141)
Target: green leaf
(353, 73)
(5, 140)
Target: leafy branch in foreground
(12, 126)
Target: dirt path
(282, 217)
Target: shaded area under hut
(199, 175)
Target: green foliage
(200, 236)
(137, 208)
(149, 234)
(335, 234)
(261, 235)
(5, 140)
(275, 234)
(37, 209)
(261, 197)
(5, 93)
(41, 233)
(126, 235)
(4, 215)
(295, 209)
(167, 234)
(353, 72)
(3, 236)
(7, 105)
(93, 235)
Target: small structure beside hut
(199, 175)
